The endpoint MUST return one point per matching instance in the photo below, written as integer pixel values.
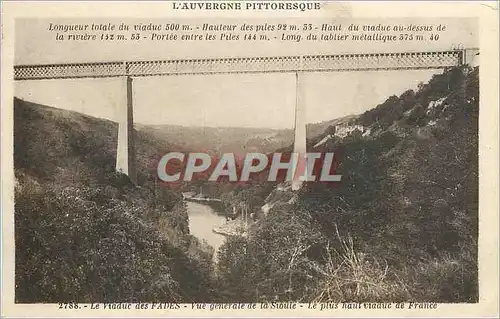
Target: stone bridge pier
(125, 151)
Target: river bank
(236, 227)
(210, 225)
(202, 219)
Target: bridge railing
(307, 63)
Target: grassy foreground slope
(83, 232)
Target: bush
(68, 248)
(351, 276)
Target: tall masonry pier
(299, 144)
(125, 151)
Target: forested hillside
(402, 223)
(219, 140)
(83, 232)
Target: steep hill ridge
(83, 232)
(401, 225)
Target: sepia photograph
(219, 163)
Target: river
(202, 219)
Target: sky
(238, 100)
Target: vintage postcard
(249, 159)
